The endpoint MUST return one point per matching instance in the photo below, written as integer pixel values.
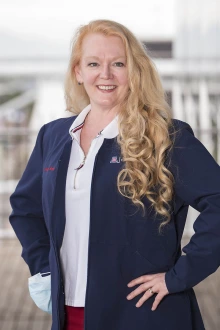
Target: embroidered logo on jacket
(116, 159)
(46, 169)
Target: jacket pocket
(133, 264)
(40, 291)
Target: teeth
(106, 87)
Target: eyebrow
(97, 58)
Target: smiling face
(102, 70)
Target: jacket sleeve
(27, 217)
(197, 183)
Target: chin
(106, 103)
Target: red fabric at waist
(74, 318)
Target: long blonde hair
(144, 120)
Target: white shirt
(74, 249)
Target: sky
(56, 20)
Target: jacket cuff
(173, 283)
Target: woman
(109, 189)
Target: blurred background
(182, 37)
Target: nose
(106, 72)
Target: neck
(100, 117)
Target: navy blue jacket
(123, 244)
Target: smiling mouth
(106, 88)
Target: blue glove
(40, 291)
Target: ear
(77, 71)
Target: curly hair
(144, 120)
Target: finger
(157, 300)
(141, 279)
(143, 287)
(146, 296)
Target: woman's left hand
(155, 282)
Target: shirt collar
(109, 132)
